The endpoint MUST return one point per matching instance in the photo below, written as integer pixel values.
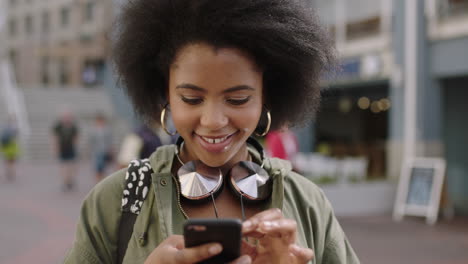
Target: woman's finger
(198, 253)
(253, 222)
(304, 255)
(248, 249)
(283, 228)
(245, 259)
(177, 241)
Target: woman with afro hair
(221, 71)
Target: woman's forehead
(205, 67)
(207, 53)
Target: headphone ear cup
(199, 182)
(234, 188)
(250, 182)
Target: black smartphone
(227, 232)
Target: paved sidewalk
(37, 218)
(379, 240)
(38, 222)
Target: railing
(13, 98)
(324, 169)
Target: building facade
(58, 43)
(364, 112)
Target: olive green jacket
(161, 215)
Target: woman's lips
(214, 144)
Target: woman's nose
(214, 117)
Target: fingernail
(294, 248)
(215, 249)
(247, 224)
(267, 224)
(245, 260)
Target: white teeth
(214, 140)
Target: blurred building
(45, 47)
(58, 43)
(363, 109)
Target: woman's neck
(241, 155)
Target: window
(13, 56)
(12, 27)
(89, 11)
(362, 18)
(65, 16)
(28, 24)
(363, 28)
(63, 71)
(45, 22)
(45, 70)
(448, 8)
(92, 72)
(458, 3)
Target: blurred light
(375, 107)
(385, 104)
(363, 103)
(345, 104)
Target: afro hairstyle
(284, 37)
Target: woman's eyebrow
(228, 90)
(238, 88)
(190, 86)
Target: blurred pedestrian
(152, 139)
(9, 147)
(100, 141)
(65, 139)
(141, 143)
(282, 144)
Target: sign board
(419, 189)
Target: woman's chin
(214, 163)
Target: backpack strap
(137, 184)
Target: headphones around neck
(248, 180)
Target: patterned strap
(137, 183)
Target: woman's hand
(172, 250)
(276, 237)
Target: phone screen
(227, 232)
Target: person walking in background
(9, 148)
(152, 139)
(65, 138)
(282, 144)
(100, 141)
(141, 143)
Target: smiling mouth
(215, 140)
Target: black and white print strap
(137, 183)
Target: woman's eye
(239, 101)
(192, 101)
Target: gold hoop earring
(163, 124)
(268, 125)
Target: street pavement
(377, 239)
(37, 223)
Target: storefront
(353, 122)
(455, 130)
(348, 157)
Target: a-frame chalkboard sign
(419, 189)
